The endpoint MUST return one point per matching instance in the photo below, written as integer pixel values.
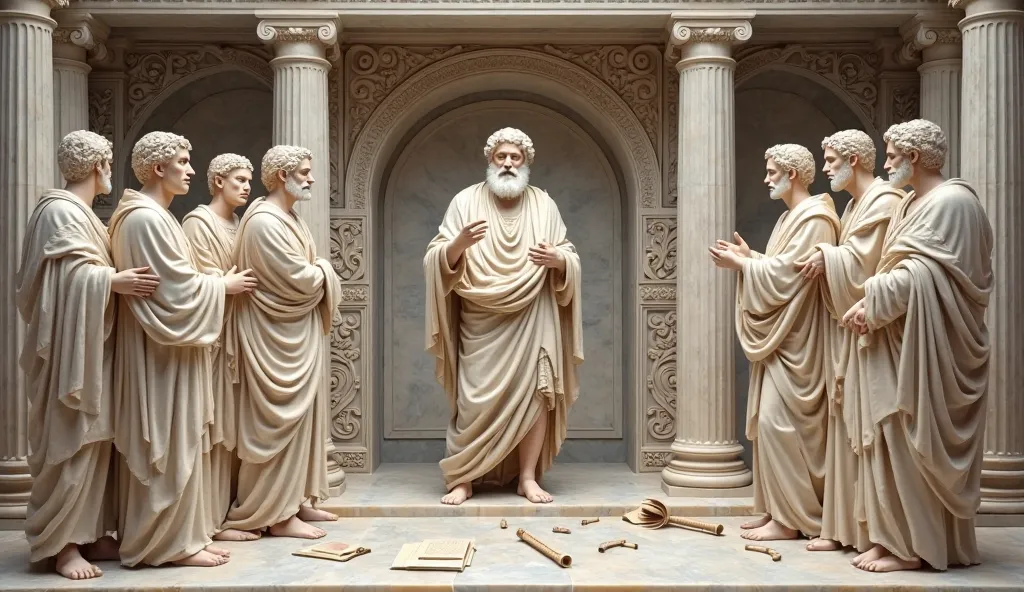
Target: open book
(436, 554)
(333, 551)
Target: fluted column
(301, 40)
(937, 43)
(77, 35)
(26, 170)
(992, 145)
(706, 452)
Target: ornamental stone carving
(670, 156)
(81, 29)
(345, 383)
(660, 249)
(661, 375)
(347, 248)
(282, 27)
(333, 134)
(655, 460)
(922, 33)
(658, 293)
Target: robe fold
(506, 334)
(282, 353)
(163, 386)
(778, 314)
(847, 267)
(922, 378)
(213, 240)
(62, 290)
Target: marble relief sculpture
(163, 391)
(211, 232)
(281, 355)
(850, 164)
(63, 291)
(778, 313)
(504, 324)
(922, 364)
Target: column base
(15, 488)
(706, 470)
(335, 474)
(1002, 485)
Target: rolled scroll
(775, 555)
(610, 544)
(559, 558)
(654, 514)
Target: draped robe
(163, 388)
(847, 267)
(213, 240)
(281, 357)
(506, 334)
(778, 314)
(923, 376)
(63, 295)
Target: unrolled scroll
(775, 555)
(559, 558)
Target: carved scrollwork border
(660, 402)
(345, 379)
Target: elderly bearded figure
(504, 324)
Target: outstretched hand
(134, 282)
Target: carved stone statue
(63, 291)
(922, 364)
(281, 356)
(778, 314)
(843, 269)
(163, 394)
(504, 324)
(211, 232)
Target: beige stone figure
(281, 357)
(843, 268)
(63, 291)
(778, 313)
(163, 378)
(923, 364)
(503, 321)
(211, 231)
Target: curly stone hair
(510, 135)
(793, 157)
(155, 148)
(922, 135)
(222, 165)
(281, 158)
(850, 142)
(80, 152)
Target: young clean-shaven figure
(778, 314)
(504, 325)
(163, 387)
(850, 165)
(64, 291)
(281, 356)
(923, 364)
(211, 231)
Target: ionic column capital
(706, 35)
(978, 7)
(79, 32)
(300, 34)
(928, 39)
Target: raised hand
(739, 248)
(134, 282)
(471, 234)
(546, 255)
(726, 258)
(239, 281)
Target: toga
(778, 316)
(923, 375)
(281, 358)
(63, 295)
(163, 388)
(213, 239)
(506, 334)
(847, 267)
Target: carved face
(899, 165)
(234, 187)
(106, 184)
(299, 183)
(779, 183)
(508, 157)
(507, 173)
(838, 169)
(176, 174)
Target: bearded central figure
(503, 321)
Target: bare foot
(218, 551)
(459, 494)
(876, 552)
(311, 514)
(823, 545)
(202, 559)
(891, 563)
(529, 489)
(756, 523)
(773, 531)
(231, 534)
(73, 566)
(295, 528)
(104, 549)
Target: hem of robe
(223, 475)
(839, 522)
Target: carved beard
(107, 185)
(843, 177)
(300, 193)
(508, 186)
(781, 189)
(901, 174)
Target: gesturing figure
(778, 314)
(504, 324)
(64, 295)
(281, 356)
(923, 364)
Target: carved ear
(914, 155)
(158, 170)
(854, 160)
(282, 176)
(791, 174)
